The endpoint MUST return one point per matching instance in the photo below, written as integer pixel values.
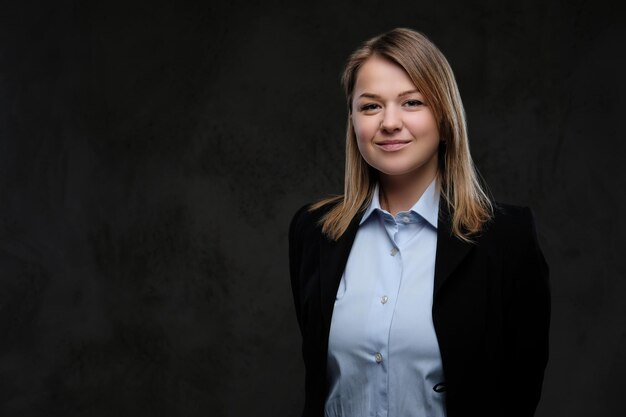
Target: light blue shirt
(383, 355)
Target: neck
(400, 192)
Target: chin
(396, 169)
(393, 172)
(401, 166)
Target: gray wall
(152, 154)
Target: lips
(392, 145)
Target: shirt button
(378, 357)
(406, 219)
(384, 299)
(394, 250)
(440, 387)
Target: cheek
(430, 133)
(424, 126)
(365, 130)
(424, 132)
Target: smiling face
(395, 128)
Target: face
(395, 128)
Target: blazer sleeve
(295, 257)
(528, 323)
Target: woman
(416, 294)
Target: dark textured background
(152, 155)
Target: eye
(370, 106)
(414, 103)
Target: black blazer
(491, 310)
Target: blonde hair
(459, 181)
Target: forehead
(379, 75)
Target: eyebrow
(376, 96)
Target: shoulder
(306, 222)
(512, 221)
(513, 233)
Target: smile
(392, 145)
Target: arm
(528, 322)
(295, 253)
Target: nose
(391, 120)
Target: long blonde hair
(460, 184)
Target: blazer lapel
(333, 259)
(450, 249)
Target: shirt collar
(427, 206)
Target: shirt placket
(384, 302)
